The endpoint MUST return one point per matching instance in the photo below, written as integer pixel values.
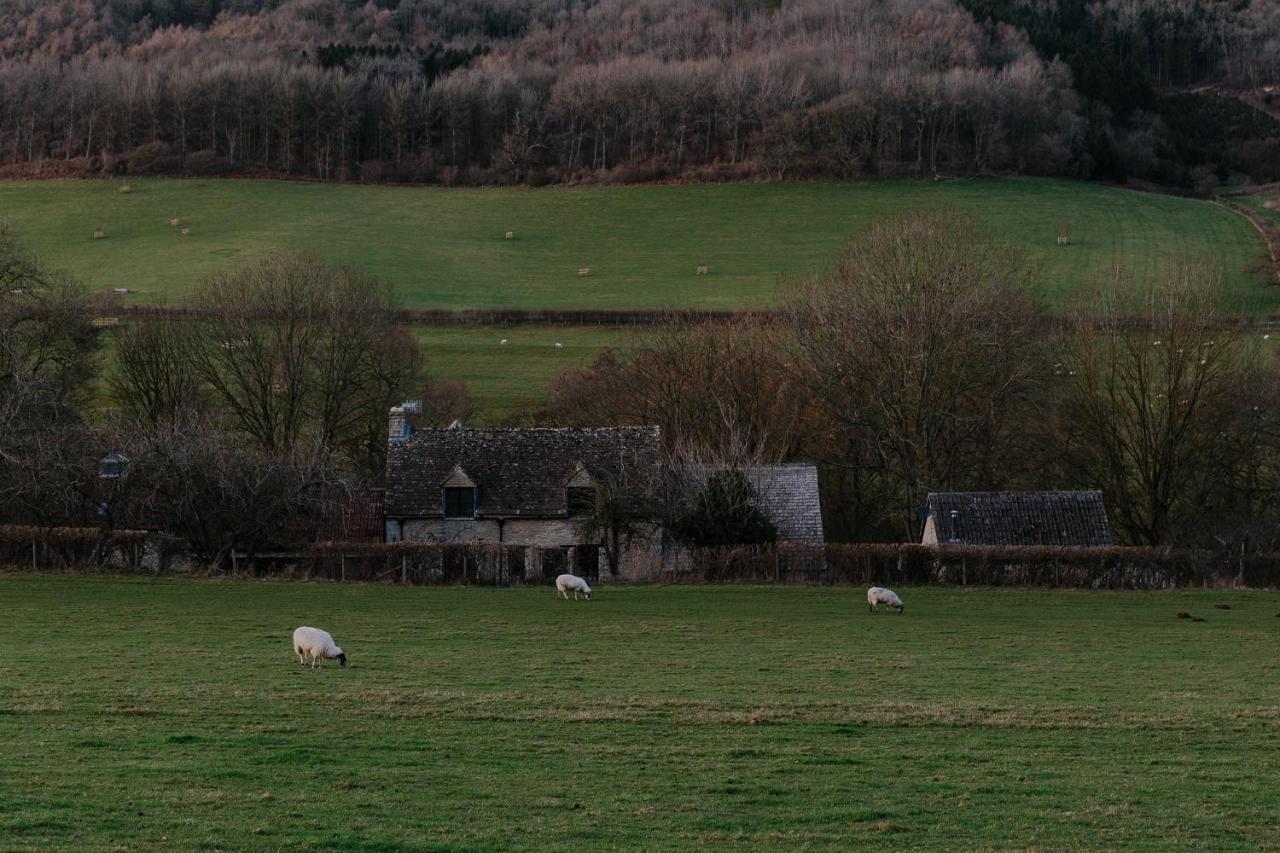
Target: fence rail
(480, 564)
(1084, 568)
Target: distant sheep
(879, 595)
(316, 644)
(567, 583)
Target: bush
(725, 510)
(207, 164)
(154, 158)
(1111, 567)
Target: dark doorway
(587, 562)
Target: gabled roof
(1019, 518)
(516, 472)
(789, 498)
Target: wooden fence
(481, 564)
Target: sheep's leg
(575, 595)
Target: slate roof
(1020, 518)
(789, 498)
(517, 472)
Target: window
(581, 501)
(459, 503)
(114, 466)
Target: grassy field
(504, 379)
(445, 247)
(1266, 203)
(170, 714)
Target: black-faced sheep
(879, 595)
(317, 645)
(567, 583)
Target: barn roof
(1019, 518)
(517, 472)
(789, 498)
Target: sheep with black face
(317, 645)
(879, 595)
(572, 583)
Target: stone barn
(1016, 518)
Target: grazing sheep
(879, 595)
(565, 583)
(316, 644)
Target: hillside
(482, 92)
(446, 248)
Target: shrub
(207, 164)
(154, 158)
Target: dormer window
(459, 503)
(581, 500)
(114, 466)
(580, 493)
(458, 495)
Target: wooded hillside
(535, 91)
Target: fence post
(342, 567)
(404, 570)
(33, 555)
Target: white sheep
(316, 644)
(879, 595)
(565, 583)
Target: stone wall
(552, 544)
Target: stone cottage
(579, 499)
(534, 487)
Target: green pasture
(446, 248)
(171, 714)
(505, 380)
(1266, 202)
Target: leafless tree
(722, 387)
(155, 377)
(1152, 412)
(914, 345)
(303, 353)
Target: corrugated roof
(517, 472)
(1020, 518)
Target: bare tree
(300, 352)
(1152, 413)
(915, 347)
(721, 387)
(155, 377)
(47, 359)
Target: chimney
(397, 425)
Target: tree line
(534, 92)
(262, 422)
(916, 363)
